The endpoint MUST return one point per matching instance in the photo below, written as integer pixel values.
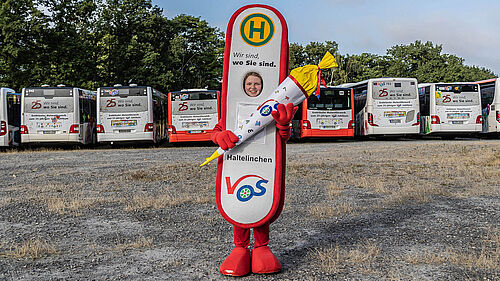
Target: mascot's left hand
(283, 115)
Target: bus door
(49, 114)
(193, 115)
(394, 104)
(458, 107)
(124, 112)
(330, 115)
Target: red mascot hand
(225, 139)
(283, 115)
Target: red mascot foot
(237, 263)
(264, 261)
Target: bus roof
(193, 90)
(350, 85)
(486, 81)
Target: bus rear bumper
(413, 130)
(312, 133)
(125, 137)
(50, 138)
(188, 137)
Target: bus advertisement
(131, 114)
(10, 117)
(450, 108)
(330, 115)
(58, 114)
(192, 114)
(490, 102)
(386, 106)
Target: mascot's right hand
(225, 139)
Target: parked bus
(131, 114)
(192, 114)
(10, 117)
(490, 102)
(58, 115)
(330, 115)
(386, 106)
(450, 108)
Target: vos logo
(266, 109)
(247, 191)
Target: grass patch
(30, 249)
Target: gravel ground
(365, 210)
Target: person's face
(253, 86)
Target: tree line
(93, 43)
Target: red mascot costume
(240, 262)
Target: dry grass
(487, 258)
(335, 260)
(31, 249)
(399, 175)
(140, 242)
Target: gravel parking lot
(354, 210)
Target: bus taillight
(74, 129)
(370, 120)
(100, 129)
(24, 130)
(149, 127)
(306, 124)
(479, 119)
(3, 128)
(418, 120)
(350, 125)
(435, 119)
(498, 116)
(171, 129)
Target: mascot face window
(252, 84)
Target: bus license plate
(124, 131)
(395, 120)
(195, 132)
(457, 122)
(49, 132)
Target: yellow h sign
(257, 29)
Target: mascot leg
(263, 260)
(238, 262)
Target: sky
(467, 29)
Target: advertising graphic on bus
(192, 114)
(329, 115)
(58, 114)
(450, 108)
(131, 114)
(386, 106)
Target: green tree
(196, 53)
(22, 25)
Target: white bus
(131, 114)
(386, 106)
(490, 102)
(10, 117)
(192, 114)
(450, 108)
(58, 115)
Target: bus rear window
(48, 93)
(330, 99)
(123, 92)
(194, 96)
(457, 95)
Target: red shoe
(264, 261)
(237, 263)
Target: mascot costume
(256, 92)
